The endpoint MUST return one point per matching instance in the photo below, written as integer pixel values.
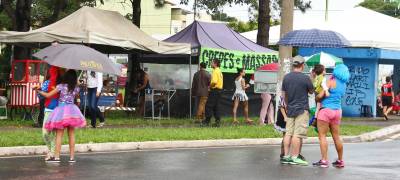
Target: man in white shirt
(94, 85)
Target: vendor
(143, 85)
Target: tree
(22, 15)
(390, 8)
(262, 6)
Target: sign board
(231, 60)
(266, 76)
(269, 88)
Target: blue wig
(341, 72)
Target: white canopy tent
(97, 27)
(361, 26)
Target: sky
(241, 13)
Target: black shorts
(387, 101)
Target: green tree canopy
(390, 8)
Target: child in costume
(50, 104)
(66, 115)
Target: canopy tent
(106, 31)
(217, 40)
(361, 26)
(96, 27)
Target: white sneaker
(101, 124)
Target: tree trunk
(264, 19)
(133, 59)
(136, 12)
(23, 24)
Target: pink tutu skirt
(65, 115)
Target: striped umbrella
(328, 60)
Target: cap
(298, 60)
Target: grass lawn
(120, 128)
(29, 136)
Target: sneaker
(298, 161)
(71, 161)
(101, 124)
(301, 157)
(321, 163)
(286, 160)
(338, 164)
(53, 160)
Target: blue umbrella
(314, 38)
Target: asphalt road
(378, 160)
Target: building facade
(158, 21)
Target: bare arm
(243, 83)
(285, 98)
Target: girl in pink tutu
(66, 115)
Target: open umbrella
(78, 57)
(314, 38)
(328, 60)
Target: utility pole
(195, 10)
(285, 52)
(326, 10)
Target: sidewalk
(379, 121)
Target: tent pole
(190, 86)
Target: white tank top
(238, 84)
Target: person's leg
(59, 136)
(217, 113)
(335, 130)
(388, 110)
(91, 97)
(71, 140)
(288, 135)
(141, 106)
(234, 110)
(264, 108)
(323, 128)
(246, 112)
(202, 106)
(197, 107)
(300, 131)
(209, 108)
(41, 112)
(271, 112)
(48, 137)
(98, 112)
(282, 147)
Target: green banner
(231, 60)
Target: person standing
(143, 87)
(330, 115)
(387, 97)
(295, 89)
(200, 86)
(267, 109)
(240, 96)
(95, 85)
(66, 115)
(214, 96)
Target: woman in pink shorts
(330, 115)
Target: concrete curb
(381, 133)
(126, 146)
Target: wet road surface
(378, 160)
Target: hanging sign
(231, 60)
